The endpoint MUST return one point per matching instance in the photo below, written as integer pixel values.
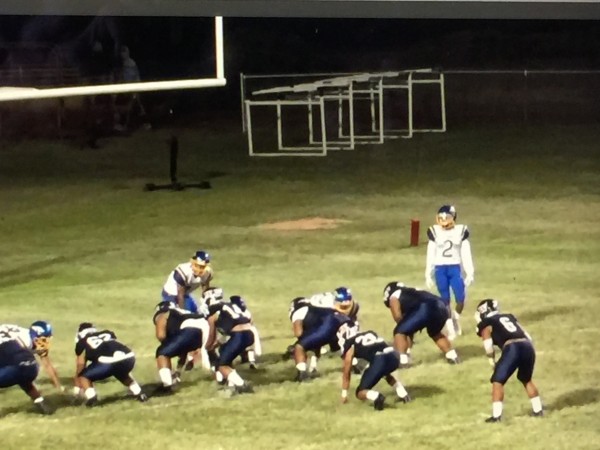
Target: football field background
(81, 241)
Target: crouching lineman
(250, 354)
(231, 323)
(518, 353)
(186, 278)
(100, 356)
(18, 366)
(179, 332)
(308, 313)
(383, 361)
(323, 333)
(413, 310)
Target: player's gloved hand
(469, 280)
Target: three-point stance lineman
(518, 354)
(107, 358)
(18, 366)
(383, 361)
(413, 310)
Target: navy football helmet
(212, 295)
(446, 216)
(487, 307)
(84, 329)
(238, 301)
(41, 335)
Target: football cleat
(91, 402)
(379, 402)
(493, 419)
(244, 389)
(141, 397)
(540, 413)
(44, 408)
(453, 360)
(302, 376)
(253, 366)
(162, 391)
(189, 366)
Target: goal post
(9, 93)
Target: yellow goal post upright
(9, 93)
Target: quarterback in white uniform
(186, 278)
(448, 256)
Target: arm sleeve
(466, 258)
(430, 258)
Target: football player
(323, 332)
(38, 339)
(18, 366)
(503, 330)
(179, 332)
(186, 278)
(414, 310)
(308, 313)
(448, 256)
(250, 354)
(231, 322)
(99, 355)
(383, 361)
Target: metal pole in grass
(175, 185)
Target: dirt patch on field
(306, 223)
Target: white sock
(456, 321)
(135, 388)
(536, 404)
(301, 367)
(313, 363)
(403, 358)
(451, 354)
(251, 356)
(235, 378)
(165, 376)
(400, 391)
(90, 393)
(189, 357)
(496, 409)
(219, 377)
(40, 399)
(408, 351)
(372, 395)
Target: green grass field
(81, 241)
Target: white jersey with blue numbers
(449, 247)
(184, 276)
(16, 333)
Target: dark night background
(169, 48)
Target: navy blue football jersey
(99, 343)
(504, 327)
(229, 316)
(366, 345)
(410, 298)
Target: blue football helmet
(41, 335)
(446, 216)
(343, 294)
(201, 257)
